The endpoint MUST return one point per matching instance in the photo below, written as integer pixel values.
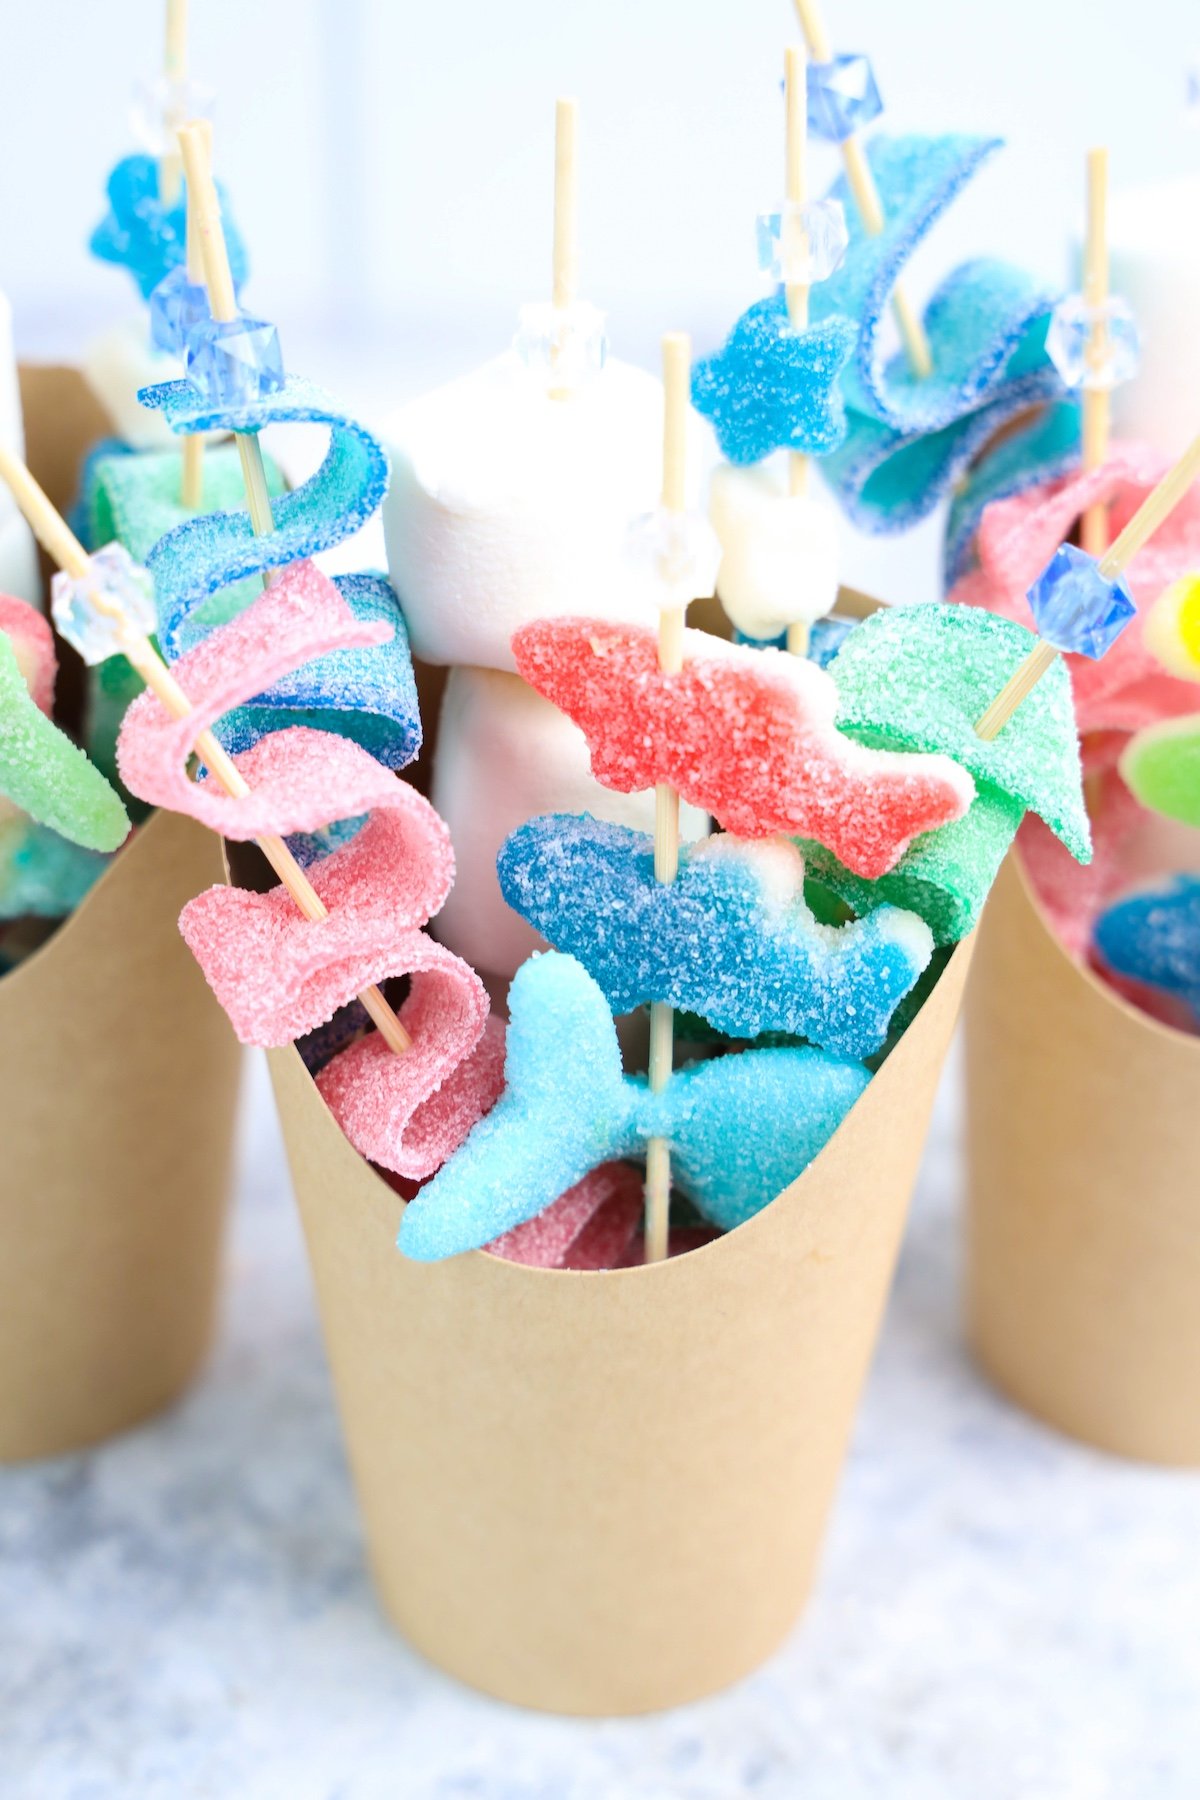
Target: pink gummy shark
(747, 735)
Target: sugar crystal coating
(741, 1128)
(911, 438)
(41, 771)
(921, 676)
(746, 735)
(1154, 938)
(1127, 688)
(142, 235)
(731, 938)
(610, 1197)
(771, 387)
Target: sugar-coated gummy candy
(41, 771)
(1127, 688)
(1154, 938)
(910, 437)
(591, 1225)
(919, 677)
(779, 551)
(505, 755)
(943, 877)
(1162, 767)
(731, 938)
(206, 554)
(740, 1127)
(746, 735)
(1072, 895)
(1044, 449)
(772, 387)
(506, 505)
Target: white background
(391, 161)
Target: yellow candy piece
(1173, 628)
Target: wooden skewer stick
(677, 361)
(192, 483)
(565, 289)
(1096, 405)
(795, 88)
(202, 199)
(866, 198)
(64, 548)
(170, 166)
(1155, 508)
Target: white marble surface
(1003, 1615)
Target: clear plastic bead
(177, 307)
(160, 107)
(1075, 608)
(804, 243)
(673, 557)
(1113, 360)
(115, 578)
(562, 346)
(235, 361)
(842, 98)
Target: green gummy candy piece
(48, 776)
(135, 499)
(918, 678)
(944, 876)
(1161, 766)
(41, 873)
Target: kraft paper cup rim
(761, 1221)
(1185, 1042)
(75, 921)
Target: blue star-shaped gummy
(772, 387)
(142, 235)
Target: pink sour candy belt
(1127, 688)
(589, 1227)
(278, 974)
(33, 642)
(1071, 894)
(747, 735)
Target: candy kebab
(779, 567)
(842, 98)
(510, 499)
(104, 608)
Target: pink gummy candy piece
(593, 1220)
(410, 1113)
(1127, 687)
(278, 974)
(747, 735)
(1072, 895)
(33, 642)
(302, 615)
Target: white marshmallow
(1154, 264)
(506, 505)
(504, 755)
(779, 562)
(115, 366)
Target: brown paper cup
(118, 1080)
(1083, 1224)
(605, 1493)
(118, 1088)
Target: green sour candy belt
(48, 776)
(918, 678)
(944, 877)
(1161, 766)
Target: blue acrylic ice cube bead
(1093, 346)
(1075, 608)
(177, 307)
(235, 361)
(842, 98)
